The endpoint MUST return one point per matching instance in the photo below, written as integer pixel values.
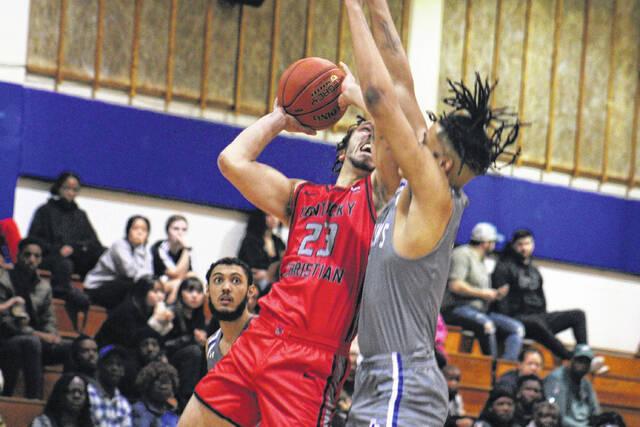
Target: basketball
(309, 90)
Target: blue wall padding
(147, 152)
(11, 107)
(118, 147)
(568, 225)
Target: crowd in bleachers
(140, 360)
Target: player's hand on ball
(291, 124)
(351, 93)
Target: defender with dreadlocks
(398, 381)
(289, 365)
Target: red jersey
(323, 267)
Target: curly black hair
(337, 164)
(474, 129)
(153, 370)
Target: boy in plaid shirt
(109, 408)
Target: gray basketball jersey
(401, 297)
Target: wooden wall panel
(595, 86)
(452, 49)
(189, 47)
(80, 36)
(44, 25)
(479, 50)
(118, 41)
(154, 44)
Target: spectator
(185, 343)
(68, 404)
(157, 383)
(69, 242)
(83, 357)
(28, 333)
(144, 307)
(229, 281)
(530, 362)
(571, 391)
(526, 301)
(498, 411)
(108, 406)
(121, 265)
(261, 248)
(456, 413)
(607, 419)
(545, 414)
(11, 234)
(172, 256)
(530, 392)
(469, 294)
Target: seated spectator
(571, 391)
(545, 414)
(607, 419)
(530, 362)
(229, 281)
(172, 256)
(83, 357)
(11, 234)
(261, 248)
(68, 404)
(28, 333)
(121, 265)
(143, 307)
(157, 383)
(498, 411)
(530, 392)
(456, 416)
(108, 406)
(70, 243)
(526, 301)
(469, 294)
(148, 349)
(185, 343)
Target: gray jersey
(214, 354)
(402, 297)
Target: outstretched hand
(291, 124)
(350, 93)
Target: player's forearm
(248, 145)
(389, 43)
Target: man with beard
(83, 357)
(28, 333)
(530, 392)
(309, 318)
(229, 281)
(527, 303)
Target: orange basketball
(309, 90)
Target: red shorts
(273, 376)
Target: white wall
(610, 299)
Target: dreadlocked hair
(478, 134)
(337, 164)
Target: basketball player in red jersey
(289, 365)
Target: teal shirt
(577, 402)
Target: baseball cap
(111, 349)
(583, 350)
(485, 232)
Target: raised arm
(417, 162)
(263, 185)
(395, 59)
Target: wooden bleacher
(19, 412)
(617, 390)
